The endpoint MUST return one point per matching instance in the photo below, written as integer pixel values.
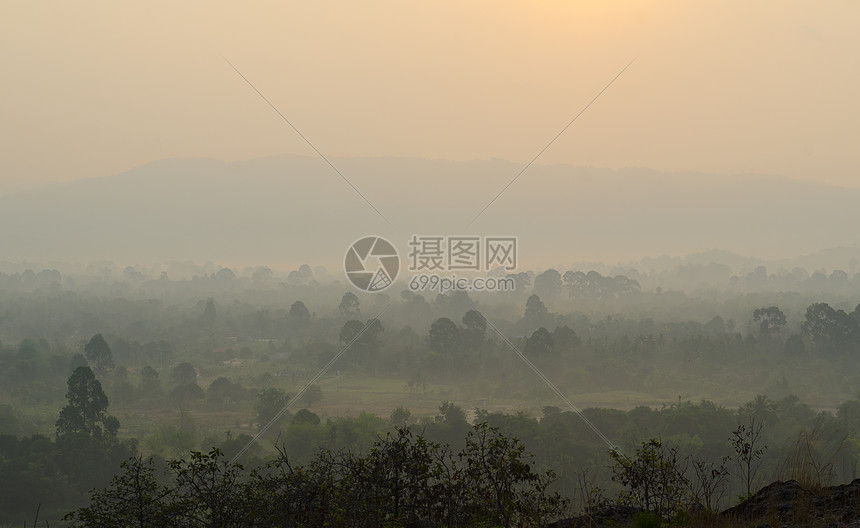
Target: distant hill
(292, 209)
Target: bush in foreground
(403, 480)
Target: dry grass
(813, 459)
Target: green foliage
(269, 403)
(402, 479)
(10, 423)
(305, 416)
(681, 518)
(500, 483)
(183, 395)
(565, 339)
(832, 330)
(535, 309)
(647, 520)
(654, 479)
(474, 330)
(168, 439)
(184, 373)
(207, 492)
(749, 450)
(616, 356)
(813, 458)
(98, 353)
(222, 392)
(133, 498)
(364, 349)
(594, 286)
(709, 483)
(349, 305)
(444, 337)
(400, 417)
(299, 313)
(86, 412)
(540, 343)
(35, 471)
(771, 320)
(151, 388)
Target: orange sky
(730, 86)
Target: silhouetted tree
(269, 403)
(539, 344)
(86, 411)
(349, 305)
(186, 393)
(209, 312)
(772, 320)
(548, 284)
(474, 329)
(565, 339)
(400, 417)
(749, 451)
(654, 478)
(761, 409)
(98, 353)
(444, 336)
(184, 374)
(828, 328)
(299, 313)
(133, 499)
(364, 348)
(150, 384)
(535, 308)
(222, 391)
(225, 274)
(305, 416)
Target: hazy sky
(95, 88)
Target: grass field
(348, 395)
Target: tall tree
(474, 329)
(565, 339)
(150, 384)
(209, 312)
(535, 308)
(367, 345)
(134, 498)
(771, 320)
(761, 409)
(98, 353)
(548, 284)
(829, 328)
(87, 409)
(444, 336)
(184, 373)
(269, 403)
(349, 305)
(298, 310)
(540, 343)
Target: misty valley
(674, 392)
(532, 264)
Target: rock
(790, 502)
(778, 505)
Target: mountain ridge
(292, 209)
